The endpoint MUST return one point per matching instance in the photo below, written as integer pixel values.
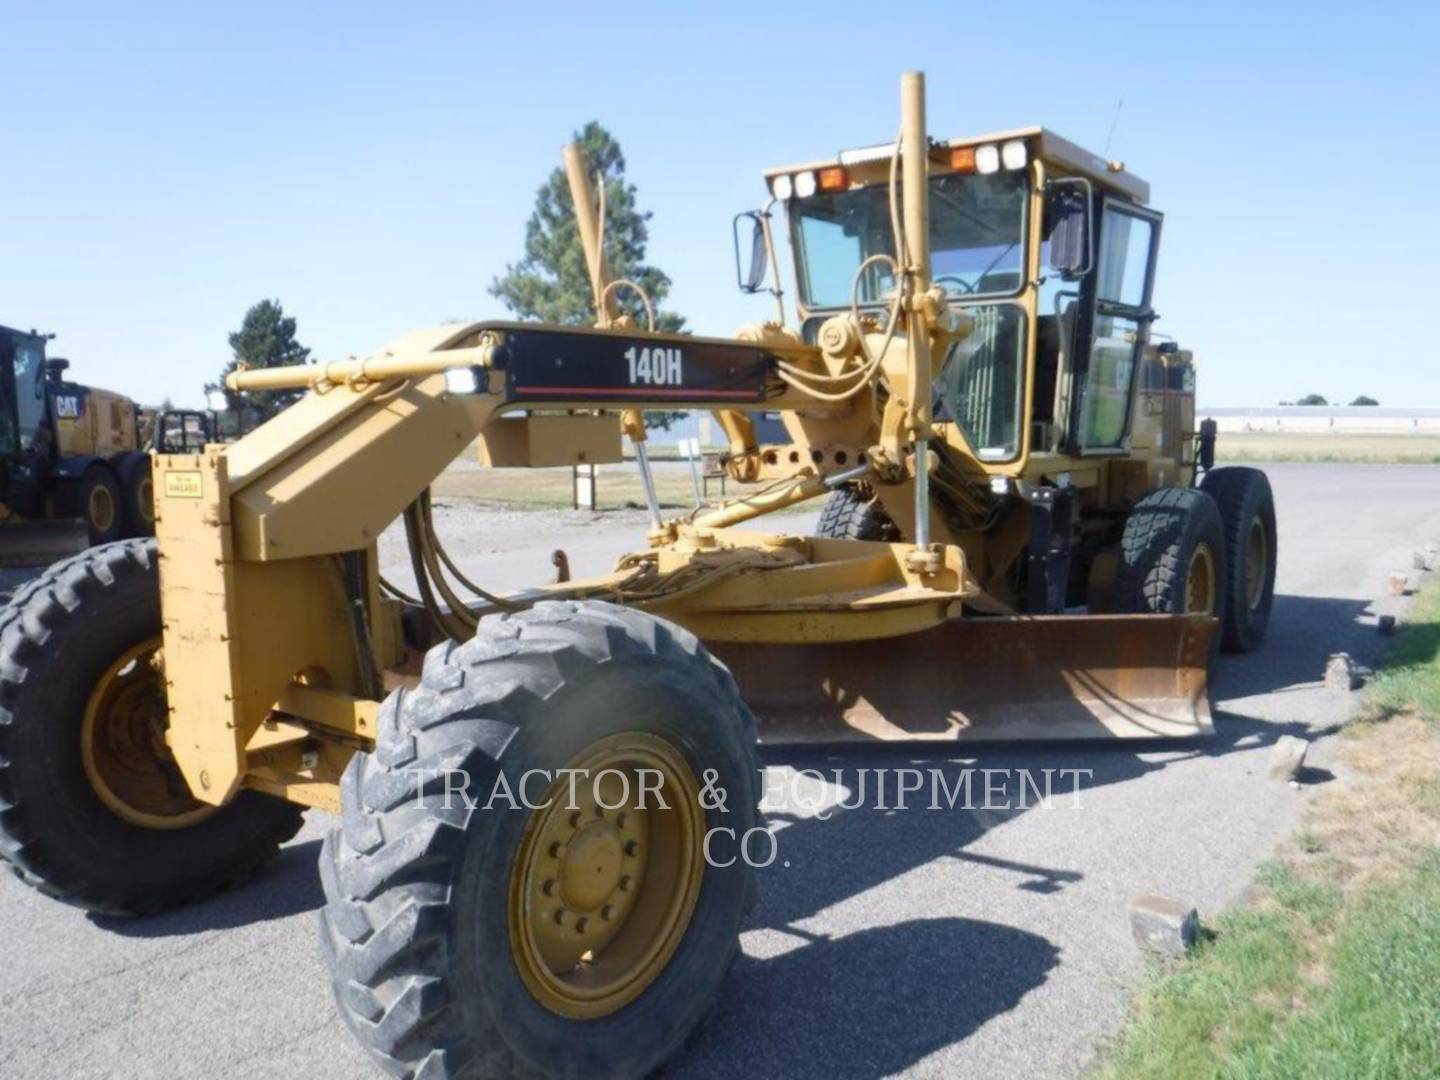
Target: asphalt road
(924, 943)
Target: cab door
(1120, 318)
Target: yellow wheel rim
(603, 887)
(122, 745)
(1257, 556)
(1200, 582)
(102, 508)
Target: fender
(74, 466)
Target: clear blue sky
(372, 166)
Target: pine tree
(551, 283)
(266, 339)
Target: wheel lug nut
(632, 848)
(575, 820)
(581, 924)
(608, 911)
(556, 850)
(621, 820)
(549, 887)
(625, 883)
(560, 914)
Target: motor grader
(1013, 545)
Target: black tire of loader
(1243, 496)
(78, 499)
(853, 513)
(1161, 534)
(414, 928)
(137, 494)
(57, 635)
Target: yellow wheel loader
(71, 469)
(547, 798)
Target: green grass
(1236, 446)
(1378, 1011)
(1410, 679)
(1334, 970)
(1310, 984)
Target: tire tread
(37, 611)
(388, 871)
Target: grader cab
(544, 794)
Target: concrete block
(1164, 926)
(1399, 583)
(1287, 757)
(1340, 673)
(1386, 625)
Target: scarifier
(1014, 544)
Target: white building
(1322, 419)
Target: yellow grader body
(1027, 556)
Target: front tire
(1172, 556)
(92, 810)
(455, 921)
(853, 512)
(1247, 511)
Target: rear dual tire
(1172, 556)
(1247, 514)
(1212, 548)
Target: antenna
(1119, 104)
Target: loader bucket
(40, 543)
(1044, 677)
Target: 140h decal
(655, 366)
(550, 365)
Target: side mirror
(1069, 225)
(751, 280)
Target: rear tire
(59, 638)
(428, 956)
(95, 499)
(1247, 511)
(1172, 556)
(853, 513)
(137, 494)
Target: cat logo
(67, 406)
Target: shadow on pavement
(288, 886)
(852, 850)
(871, 1003)
(876, 1001)
(1304, 631)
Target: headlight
(1013, 154)
(461, 380)
(781, 187)
(804, 184)
(987, 159)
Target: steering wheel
(951, 277)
